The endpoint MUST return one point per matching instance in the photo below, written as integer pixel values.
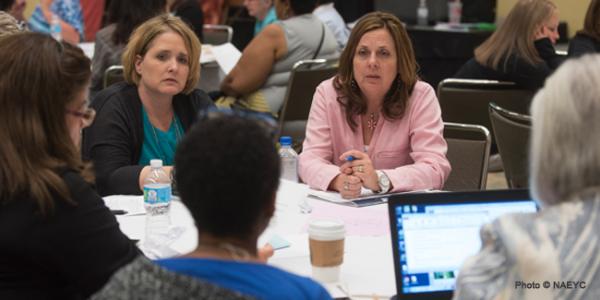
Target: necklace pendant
(372, 122)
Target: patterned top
(143, 279)
(549, 255)
(67, 10)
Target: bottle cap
(156, 163)
(285, 141)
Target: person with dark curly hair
(375, 125)
(227, 174)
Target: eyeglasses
(87, 115)
(264, 120)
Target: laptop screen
(434, 239)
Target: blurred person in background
(263, 11)
(123, 18)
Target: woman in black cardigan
(522, 48)
(145, 117)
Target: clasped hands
(354, 174)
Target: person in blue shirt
(227, 174)
(69, 14)
(263, 11)
(231, 208)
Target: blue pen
(350, 158)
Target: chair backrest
(113, 75)
(512, 132)
(216, 34)
(466, 100)
(306, 75)
(468, 153)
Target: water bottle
(55, 29)
(289, 159)
(454, 11)
(157, 189)
(422, 14)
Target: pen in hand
(118, 212)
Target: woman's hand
(265, 252)
(361, 167)
(347, 185)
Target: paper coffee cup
(326, 242)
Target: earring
(353, 85)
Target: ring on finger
(346, 186)
(360, 169)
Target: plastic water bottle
(422, 14)
(55, 29)
(157, 189)
(454, 11)
(289, 159)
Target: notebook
(433, 233)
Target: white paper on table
(227, 56)
(133, 205)
(336, 197)
(207, 55)
(88, 49)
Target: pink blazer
(411, 151)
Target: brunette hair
(142, 39)
(395, 102)
(40, 78)
(516, 35)
(591, 25)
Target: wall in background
(572, 12)
(29, 7)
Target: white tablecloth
(367, 270)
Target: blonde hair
(9, 25)
(516, 35)
(142, 38)
(565, 148)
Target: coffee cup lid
(322, 229)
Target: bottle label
(157, 195)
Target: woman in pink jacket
(375, 125)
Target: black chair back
(512, 131)
(113, 75)
(468, 153)
(306, 75)
(466, 100)
(216, 34)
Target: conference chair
(305, 76)
(113, 75)
(216, 34)
(512, 132)
(468, 153)
(466, 100)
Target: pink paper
(363, 221)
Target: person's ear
(138, 64)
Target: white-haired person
(559, 244)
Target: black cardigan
(582, 44)
(517, 70)
(114, 141)
(69, 253)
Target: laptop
(433, 234)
